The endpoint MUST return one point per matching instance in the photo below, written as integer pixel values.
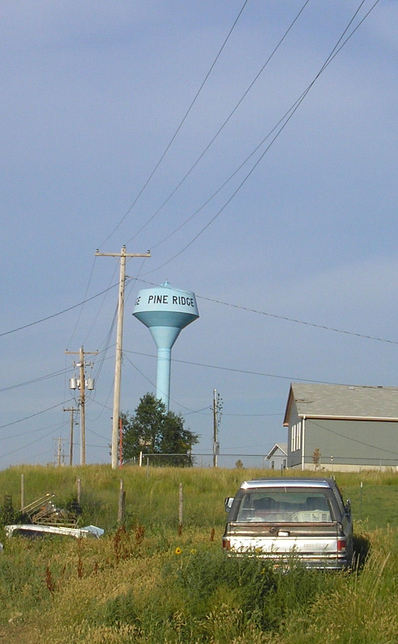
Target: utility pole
(82, 386)
(215, 443)
(59, 452)
(217, 409)
(119, 343)
(72, 421)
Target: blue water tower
(165, 311)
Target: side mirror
(228, 501)
(348, 506)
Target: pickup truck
(281, 519)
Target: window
(286, 506)
(298, 435)
(295, 437)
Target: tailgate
(304, 539)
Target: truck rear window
(281, 505)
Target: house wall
(294, 439)
(354, 443)
(278, 458)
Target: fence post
(180, 509)
(122, 504)
(79, 490)
(22, 492)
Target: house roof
(281, 446)
(343, 401)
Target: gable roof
(342, 401)
(281, 446)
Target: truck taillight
(341, 545)
(226, 544)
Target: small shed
(342, 427)
(276, 459)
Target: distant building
(341, 427)
(276, 459)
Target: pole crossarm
(121, 254)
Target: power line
(284, 121)
(165, 150)
(287, 318)
(153, 385)
(47, 376)
(54, 315)
(25, 445)
(202, 297)
(38, 413)
(34, 431)
(224, 123)
(243, 371)
(162, 156)
(85, 295)
(252, 415)
(292, 110)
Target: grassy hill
(151, 582)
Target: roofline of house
(274, 448)
(287, 410)
(384, 419)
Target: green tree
(153, 430)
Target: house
(342, 427)
(276, 459)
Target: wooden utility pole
(59, 452)
(217, 409)
(119, 343)
(215, 443)
(72, 421)
(81, 364)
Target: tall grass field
(153, 579)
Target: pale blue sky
(91, 95)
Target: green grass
(148, 583)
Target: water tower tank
(165, 311)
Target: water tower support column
(163, 376)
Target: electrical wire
(168, 146)
(152, 383)
(47, 376)
(287, 318)
(82, 307)
(252, 415)
(298, 102)
(54, 315)
(242, 371)
(38, 413)
(96, 315)
(336, 49)
(224, 123)
(25, 445)
(33, 431)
